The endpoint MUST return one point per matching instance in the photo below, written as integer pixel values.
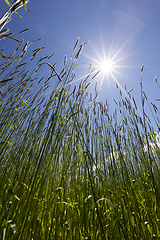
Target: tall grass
(70, 170)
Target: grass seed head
(76, 44)
(142, 68)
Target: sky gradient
(126, 31)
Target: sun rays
(111, 64)
(109, 59)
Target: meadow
(70, 169)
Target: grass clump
(70, 170)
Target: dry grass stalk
(14, 73)
(127, 100)
(19, 45)
(90, 99)
(41, 59)
(6, 80)
(143, 101)
(63, 70)
(34, 55)
(4, 56)
(38, 39)
(38, 49)
(39, 66)
(134, 103)
(96, 74)
(12, 54)
(89, 75)
(130, 90)
(96, 95)
(17, 4)
(24, 30)
(134, 112)
(78, 53)
(76, 44)
(64, 73)
(154, 107)
(95, 104)
(80, 50)
(115, 101)
(4, 32)
(7, 16)
(51, 55)
(73, 76)
(145, 95)
(45, 88)
(24, 75)
(65, 60)
(142, 68)
(46, 82)
(147, 117)
(87, 85)
(24, 49)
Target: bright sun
(106, 67)
(109, 65)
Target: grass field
(70, 170)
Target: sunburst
(106, 66)
(110, 65)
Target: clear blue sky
(129, 30)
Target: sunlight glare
(106, 66)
